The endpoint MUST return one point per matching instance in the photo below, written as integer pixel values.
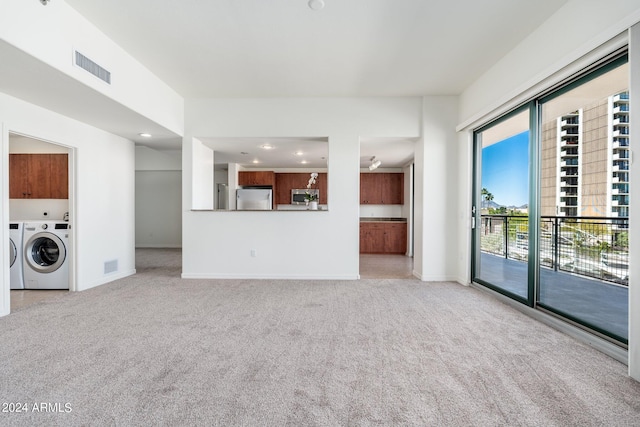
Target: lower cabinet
(383, 237)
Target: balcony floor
(594, 302)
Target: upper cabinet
(285, 182)
(257, 178)
(382, 188)
(38, 176)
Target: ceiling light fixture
(298, 153)
(316, 4)
(266, 147)
(374, 163)
(304, 162)
(255, 161)
(145, 135)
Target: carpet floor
(154, 349)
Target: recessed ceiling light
(145, 135)
(304, 162)
(316, 4)
(256, 161)
(267, 147)
(298, 153)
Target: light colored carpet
(154, 349)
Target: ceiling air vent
(90, 66)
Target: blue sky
(505, 170)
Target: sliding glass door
(551, 202)
(584, 201)
(501, 205)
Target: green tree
(486, 196)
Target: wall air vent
(90, 66)
(111, 266)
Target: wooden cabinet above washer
(38, 176)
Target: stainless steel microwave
(298, 195)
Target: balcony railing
(596, 247)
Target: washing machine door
(45, 252)
(13, 253)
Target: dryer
(46, 264)
(15, 255)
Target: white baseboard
(157, 246)
(263, 277)
(108, 279)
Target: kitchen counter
(382, 219)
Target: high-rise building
(585, 161)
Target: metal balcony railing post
(506, 236)
(556, 241)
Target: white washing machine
(15, 255)
(46, 263)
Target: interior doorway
(40, 204)
(386, 207)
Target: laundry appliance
(46, 257)
(15, 255)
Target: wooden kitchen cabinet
(382, 188)
(371, 238)
(383, 237)
(395, 238)
(285, 182)
(59, 176)
(38, 176)
(257, 178)
(19, 176)
(371, 188)
(393, 189)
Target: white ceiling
(281, 48)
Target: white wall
(102, 166)
(148, 159)
(158, 198)
(436, 195)
(576, 29)
(536, 63)
(321, 244)
(202, 185)
(382, 211)
(51, 33)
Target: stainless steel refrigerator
(254, 199)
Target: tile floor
(24, 298)
(374, 266)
